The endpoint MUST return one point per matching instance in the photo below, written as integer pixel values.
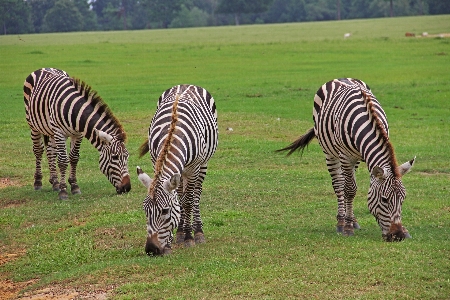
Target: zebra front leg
(74, 157)
(51, 157)
(63, 162)
(187, 202)
(38, 150)
(180, 232)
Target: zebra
(182, 137)
(351, 127)
(57, 107)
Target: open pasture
(269, 220)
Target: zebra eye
(385, 200)
(165, 211)
(115, 157)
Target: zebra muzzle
(396, 233)
(153, 246)
(125, 185)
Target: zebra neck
(381, 159)
(95, 140)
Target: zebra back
(349, 119)
(71, 104)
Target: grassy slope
(269, 220)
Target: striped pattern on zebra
(183, 136)
(351, 127)
(57, 107)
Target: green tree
(89, 16)
(15, 16)
(286, 11)
(438, 7)
(163, 11)
(38, 10)
(238, 7)
(194, 17)
(64, 16)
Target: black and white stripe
(186, 119)
(351, 127)
(58, 107)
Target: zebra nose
(396, 233)
(153, 246)
(125, 185)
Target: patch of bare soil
(10, 290)
(5, 182)
(59, 293)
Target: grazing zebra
(58, 107)
(182, 137)
(352, 127)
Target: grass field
(269, 220)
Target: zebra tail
(144, 148)
(300, 143)
(46, 140)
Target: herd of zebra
(349, 124)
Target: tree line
(36, 16)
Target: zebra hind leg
(38, 150)
(63, 162)
(51, 157)
(199, 236)
(350, 189)
(74, 156)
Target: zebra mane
(87, 92)
(165, 149)
(384, 135)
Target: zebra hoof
(55, 186)
(356, 225)
(199, 238)
(348, 230)
(75, 191)
(180, 237)
(38, 187)
(189, 243)
(167, 251)
(63, 195)
(340, 229)
(348, 233)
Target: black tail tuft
(300, 143)
(144, 149)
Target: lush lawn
(269, 220)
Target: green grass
(269, 220)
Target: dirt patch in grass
(10, 290)
(6, 181)
(60, 293)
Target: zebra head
(162, 211)
(386, 196)
(114, 161)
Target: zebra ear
(406, 167)
(172, 183)
(378, 173)
(104, 137)
(143, 177)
